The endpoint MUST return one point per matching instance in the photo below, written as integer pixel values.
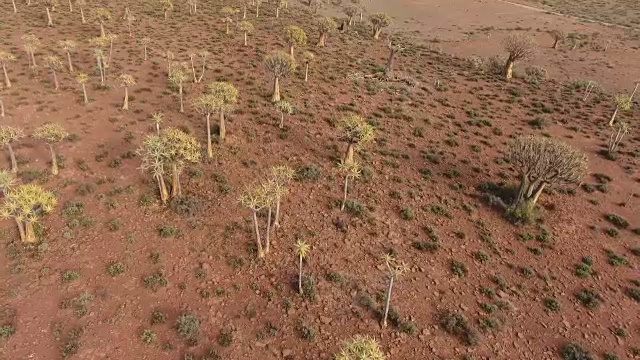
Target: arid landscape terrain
(104, 263)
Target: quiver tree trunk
(267, 242)
(70, 6)
(323, 40)
(209, 147)
(257, 10)
(84, 93)
(528, 192)
(176, 189)
(344, 196)
(276, 89)
(69, 62)
(276, 220)
(306, 72)
(166, 14)
(204, 61)
(21, 230)
(257, 230)
(245, 38)
(277, 12)
(376, 32)
(125, 104)
(145, 52)
(33, 58)
(12, 156)
(291, 50)
(7, 82)
(348, 156)
(15, 9)
(300, 274)
(54, 161)
(508, 68)
(387, 301)
(281, 125)
(1, 108)
(227, 30)
(49, 21)
(180, 95)
(55, 80)
(193, 70)
(223, 129)
(84, 21)
(102, 33)
(244, 11)
(613, 116)
(162, 188)
(389, 69)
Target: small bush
(158, 317)
(584, 270)
(187, 206)
(551, 304)
(459, 268)
(188, 326)
(116, 269)
(590, 299)
(430, 246)
(535, 74)
(309, 173)
(7, 331)
(148, 336)
(617, 220)
(407, 214)
(633, 293)
(616, 260)
(168, 231)
(457, 324)
(70, 275)
(575, 352)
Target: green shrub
(617, 220)
(575, 352)
(590, 299)
(457, 324)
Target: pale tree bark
(223, 129)
(33, 58)
(245, 38)
(281, 125)
(300, 274)
(54, 161)
(277, 12)
(267, 242)
(15, 9)
(204, 61)
(162, 187)
(276, 220)
(49, 21)
(306, 72)
(209, 147)
(276, 90)
(257, 10)
(70, 7)
(349, 154)
(1, 108)
(508, 69)
(258, 241)
(7, 82)
(125, 105)
(145, 52)
(102, 33)
(323, 40)
(176, 189)
(12, 156)
(84, 21)
(193, 70)
(69, 61)
(84, 94)
(344, 197)
(180, 93)
(21, 231)
(376, 33)
(30, 235)
(55, 80)
(387, 302)
(392, 53)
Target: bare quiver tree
(246, 27)
(302, 250)
(351, 11)
(558, 37)
(102, 15)
(351, 170)
(145, 41)
(54, 64)
(226, 96)
(396, 269)
(280, 65)
(193, 7)
(129, 18)
(81, 4)
(623, 103)
(227, 14)
(540, 162)
(82, 79)
(51, 134)
(8, 136)
(50, 5)
(325, 27)
(281, 176)
(126, 81)
(355, 132)
(5, 58)
(308, 58)
(379, 21)
(178, 75)
(294, 36)
(393, 50)
(207, 104)
(519, 47)
(157, 118)
(68, 46)
(284, 108)
(360, 347)
(99, 43)
(166, 6)
(31, 43)
(255, 199)
(617, 133)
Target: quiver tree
(7, 182)
(178, 75)
(111, 37)
(182, 148)
(624, 103)
(126, 81)
(246, 27)
(280, 65)
(351, 170)
(351, 11)
(82, 79)
(294, 36)
(258, 3)
(558, 37)
(255, 199)
(617, 133)
(393, 50)
(26, 204)
(519, 47)
(307, 57)
(54, 64)
(50, 5)
(157, 118)
(284, 108)
(207, 104)
(30, 43)
(316, 5)
(68, 46)
(227, 13)
(169, 56)
(102, 15)
(15, 8)
(302, 250)
(203, 55)
(145, 41)
(379, 21)
(51, 133)
(540, 162)
(280, 4)
(166, 6)
(355, 132)
(99, 43)
(5, 57)
(154, 153)
(396, 269)
(8, 136)
(193, 7)
(281, 176)
(360, 348)
(226, 96)
(271, 189)
(81, 4)
(129, 18)
(358, 4)
(325, 27)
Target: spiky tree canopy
(295, 35)
(53, 62)
(99, 42)
(245, 26)
(51, 133)
(255, 198)
(182, 147)
(308, 57)
(380, 20)
(179, 73)
(30, 42)
(82, 78)
(284, 107)
(166, 4)
(351, 11)
(280, 64)
(519, 47)
(126, 80)
(207, 104)
(102, 14)
(228, 11)
(557, 35)
(547, 160)
(145, 41)
(28, 203)
(68, 45)
(9, 134)
(326, 25)
(624, 102)
(282, 174)
(5, 57)
(350, 168)
(225, 93)
(356, 130)
(360, 348)
(154, 153)
(302, 248)
(7, 181)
